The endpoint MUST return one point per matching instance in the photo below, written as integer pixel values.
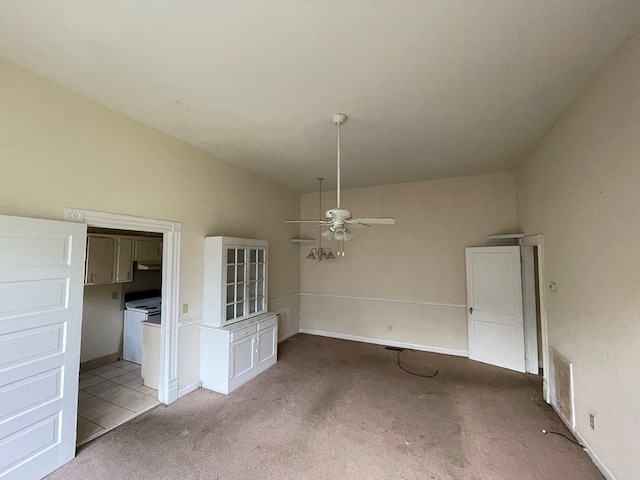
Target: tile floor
(109, 396)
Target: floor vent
(561, 376)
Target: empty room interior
(320, 240)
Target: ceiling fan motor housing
(338, 214)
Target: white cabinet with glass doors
(235, 279)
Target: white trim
(288, 335)
(389, 300)
(188, 323)
(538, 241)
(286, 297)
(168, 385)
(589, 451)
(529, 309)
(189, 388)
(594, 458)
(390, 343)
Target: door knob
(471, 310)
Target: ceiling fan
(338, 220)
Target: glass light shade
(311, 256)
(327, 233)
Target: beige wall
(581, 189)
(102, 322)
(410, 275)
(103, 316)
(60, 150)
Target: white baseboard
(589, 451)
(189, 388)
(594, 458)
(288, 335)
(389, 343)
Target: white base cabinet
(234, 354)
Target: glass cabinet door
(236, 283)
(257, 286)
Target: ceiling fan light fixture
(312, 255)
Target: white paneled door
(41, 286)
(494, 306)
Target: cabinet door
(148, 251)
(124, 260)
(241, 363)
(267, 349)
(236, 284)
(100, 260)
(257, 281)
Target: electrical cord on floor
(409, 371)
(565, 436)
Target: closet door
(494, 306)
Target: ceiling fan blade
(373, 221)
(358, 226)
(304, 221)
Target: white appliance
(136, 312)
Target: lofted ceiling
(432, 88)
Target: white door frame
(526, 246)
(168, 385)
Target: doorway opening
(534, 309)
(164, 333)
(121, 321)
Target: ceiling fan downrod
(338, 119)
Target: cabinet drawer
(238, 334)
(268, 323)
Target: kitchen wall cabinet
(236, 353)
(235, 279)
(109, 259)
(148, 250)
(124, 260)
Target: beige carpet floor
(333, 409)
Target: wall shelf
(506, 236)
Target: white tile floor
(109, 396)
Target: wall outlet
(185, 308)
(592, 421)
(114, 295)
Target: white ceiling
(432, 88)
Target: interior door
(41, 287)
(494, 306)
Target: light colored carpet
(333, 409)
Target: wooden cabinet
(150, 367)
(109, 259)
(234, 354)
(148, 250)
(235, 279)
(124, 260)
(99, 267)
